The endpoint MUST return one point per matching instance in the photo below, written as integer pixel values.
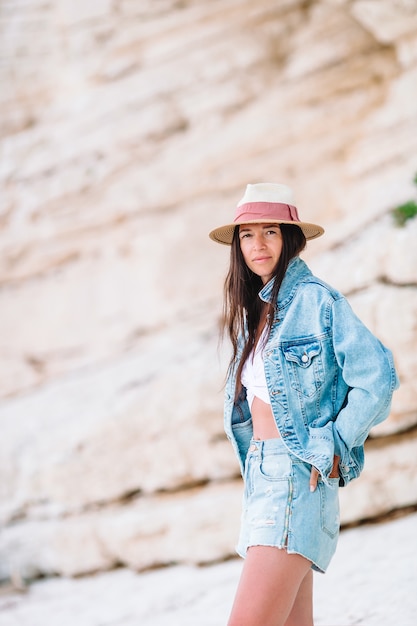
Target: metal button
(304, 358)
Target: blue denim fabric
(279, 509)
(330, 380)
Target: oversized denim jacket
(329, 378)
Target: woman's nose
(258, 242)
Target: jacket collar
(297, 270)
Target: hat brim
(224, 234)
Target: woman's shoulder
(313, 284)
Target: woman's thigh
(268, 587)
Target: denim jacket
(330, 380)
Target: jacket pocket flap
(302, 354)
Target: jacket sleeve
(367, 368)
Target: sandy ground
(371, 581)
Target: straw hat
(265, 203)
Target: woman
(306, 382)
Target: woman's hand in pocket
(314, 475)
(335, 469)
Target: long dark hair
(242, 305)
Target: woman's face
(261, 246)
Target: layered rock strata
(128, 131)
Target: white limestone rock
(388, 481)
(198, 525)
(151, 420)
(128, 132)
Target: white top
(253, 373)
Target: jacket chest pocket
(305, 367)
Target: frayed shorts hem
(314, 566)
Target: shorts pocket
(276, 467)
(330, 514)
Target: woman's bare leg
(268, 588)
(302, 610)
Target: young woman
(306, 382)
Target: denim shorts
(279, 509)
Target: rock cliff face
(128, 131)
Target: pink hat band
(264, 211)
